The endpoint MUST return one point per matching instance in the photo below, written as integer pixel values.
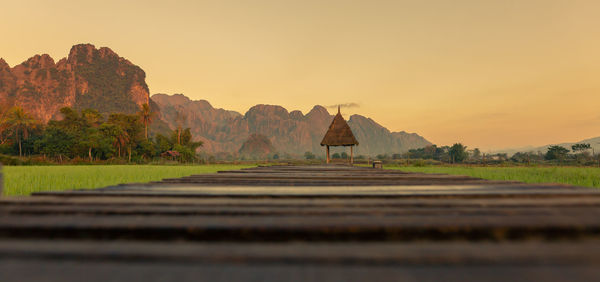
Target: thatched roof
(339, 133)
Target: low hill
(594, 143)
(257, 146)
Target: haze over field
(490, 74)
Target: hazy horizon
(489, 74)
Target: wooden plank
(586, 252)
(91, 209)
(101, 271)
(310, 228)
(440, 191)
(216, 202)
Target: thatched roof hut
(339, 134)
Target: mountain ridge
(290, 132)
(88, 77)
(98, 78)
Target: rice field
(24, 180)
(580, 176)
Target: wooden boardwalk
(305, 223)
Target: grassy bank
(580, 176)
(24, 180)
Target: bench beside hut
(339, 134)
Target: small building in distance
(339, 134)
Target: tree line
(89, 135)
(579, 154)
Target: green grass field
(24, 180)
(580, 176)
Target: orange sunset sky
(490, 74)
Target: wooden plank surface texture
(305, 223)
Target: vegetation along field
(24, 180)
(580, 176)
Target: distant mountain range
(290, 132)
(100, 79)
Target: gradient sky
(490, 74)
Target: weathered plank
(586, 252)
(299, 223)
(311, 228)
(406, 202)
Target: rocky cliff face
(87, 78)
(220, 130)
(289, 132)
(375, 139)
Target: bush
(7, 160)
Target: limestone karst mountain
(289, 132)
(98, 78)
(87, 78)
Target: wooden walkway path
(305, 223)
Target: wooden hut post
(327, 153)
(351, 154)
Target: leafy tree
(185, 153)
(309, 155)
(84, 127)
(92, 139)
(336, 156)
(344, 155)
(381, 156)
(92, 118)
(56, 142)
(108, 133)
(71, 121)
(458, 153)
(556, 153)
(429, 152)
(525, 157)
(476, 154)
(146, 149)
(180, 141)
(580, 147)
(21, 122)
(163, 143)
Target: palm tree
(146, 116)
(21, 121)
(121, 139)
(180, 118)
